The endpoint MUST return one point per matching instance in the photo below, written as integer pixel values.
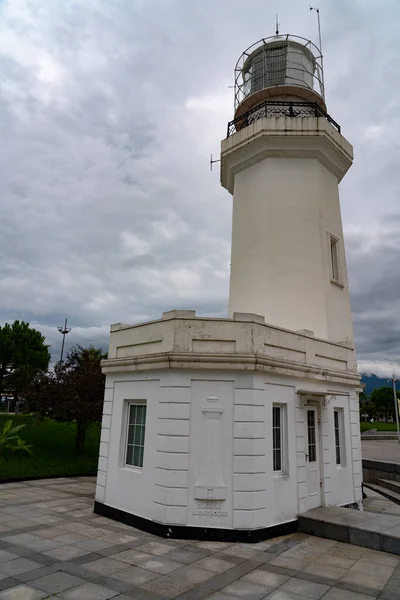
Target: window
(279, 438)
(312, 442)
(334, 254)
(135, 434)
(339, 436)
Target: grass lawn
(378, 426)
(53, 451)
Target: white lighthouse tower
(229, 428)
(282, 161)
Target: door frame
(318, 436)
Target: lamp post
(396, 406)
(63, 330)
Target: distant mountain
(372, 382)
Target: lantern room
(279, 68)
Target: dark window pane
(312, 449)
(136, 435)
(129, 455)
(337, 436)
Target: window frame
(129, 404)
(283, 471)
(339, 436)
(334, 260)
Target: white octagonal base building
(226, 428)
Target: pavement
(53, 546)
(387, 450)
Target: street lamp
(63, 330)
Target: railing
(279, 109)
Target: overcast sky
(109, 110)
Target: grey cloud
(108, 114)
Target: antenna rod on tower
(277, 25)
(320, 40)
(319, 28)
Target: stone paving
(53, 546)
(387, 450)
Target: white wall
(283, 209)
(164, 489)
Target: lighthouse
(229, 428)
(282, 161)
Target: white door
(313, 458)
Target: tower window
(279, 439)
(339, 436)
(136, 425)
(334, 258)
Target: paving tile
(213, 546)
(234, 560)
(222, 579)
(280, 570)
(381, 558)
(372, 568)
(354, 587)
(328, 571)
(29, 575)
(93, 545)
(8, 582)
(88, 591)
(337, 594)
(69, 538)
(57, 582)
(334, 561)
(245, 589)
(155, 548)
(266, 579)
(17, 566)
(285, 595)
(43, 545)
(66, 552)
(85, 558)
(22, 592)
(113, 584)
(148, 561)
(135, 575)
(388, 595)
(6, 556)
(141, 594)
(373, 579)
(111, 550)
(213, 564)
(309, 589)
(221, 596)
(242, 551)
(187, 555)
(178, 582)
(197, 593)
(121, 538)
(104, 566)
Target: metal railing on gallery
(268, 109)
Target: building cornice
(226, 362)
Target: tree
(23, 353)
(74, 391)
(383, 400)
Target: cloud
(109, 112)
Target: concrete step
(385, 491)
(390, 484)
(360, 528)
